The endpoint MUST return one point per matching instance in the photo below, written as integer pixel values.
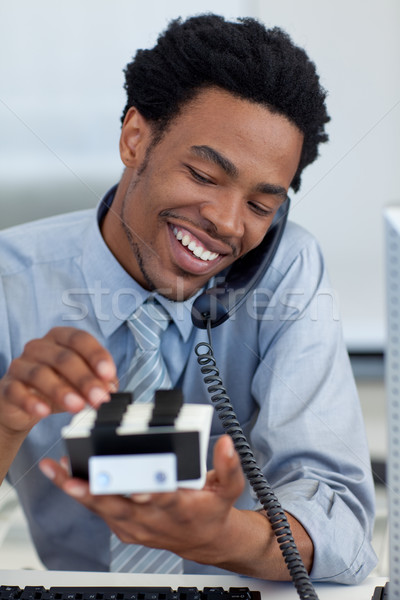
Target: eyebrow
(230, 169)
(272, 190)
(217, 158)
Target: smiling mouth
(193, 245)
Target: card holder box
(174, 446)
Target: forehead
(237, 127)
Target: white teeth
(198, 251)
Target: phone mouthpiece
(208, 309)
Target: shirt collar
(114, 294)
(180, 313)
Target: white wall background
(61, 94)
(61, 97)
(356, 45)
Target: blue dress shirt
(282, 359)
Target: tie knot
(147, 324)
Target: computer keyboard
(126, 593)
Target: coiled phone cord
(258, 482)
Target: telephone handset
(218, 303)
(210, 309)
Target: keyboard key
(216, 593)
(188, 593)
(8, 592)
(242, 593)
(126, 593)
(32, 593)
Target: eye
(261, 210)
(198, 177)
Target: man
(220, 121)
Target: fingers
(64, 370)
(21, 398)
(227, 477)
(58, 473)
(59, 374)
(88, 348)
(188, 522)
(77, 357)
(135, 520)
(109, 507)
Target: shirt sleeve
(5, 349)
(309, 431)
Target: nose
(226, 215)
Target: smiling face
(204, 195)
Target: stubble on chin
(175, 293)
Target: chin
(178, 289)
(171, 282)
(177, 294)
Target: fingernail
(230, 449)
(112, 387)
(77, 491)
(97, 395)
(47, 471)
(141, 498)
(41, 409)
(64, 462)
(105, 369)
(73, 401)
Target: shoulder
(296, 243)
(43, 241)
(298, 262)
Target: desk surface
(269, 590)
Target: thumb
(227, 468)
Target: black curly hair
(243, 57)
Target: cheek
(180, 192)
(159, 196)
(170, 186)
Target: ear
(135, 138)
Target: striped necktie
(147, 373)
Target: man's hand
(192, 523)
(199, 525)
(62, 371)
